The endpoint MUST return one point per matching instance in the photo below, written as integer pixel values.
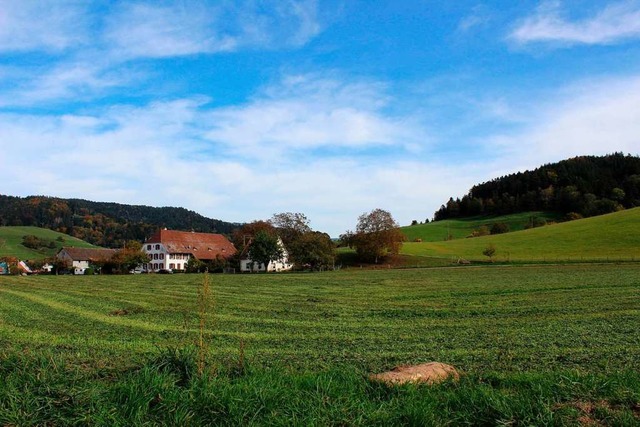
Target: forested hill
(103, 224)
(586, 186)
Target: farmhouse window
(157, 247)
(148, 247)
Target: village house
(248, 265)
(82, 258)
(171, 249)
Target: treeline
(103, 224)
(582, 186)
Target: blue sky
(242, 109)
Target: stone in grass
(429, 373)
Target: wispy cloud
(91, 51)
(42, 25)
(306, 112)
(152, 30)
(79, 80)
(147, 155)
(589, 118)
(479, 17)
(614, 23)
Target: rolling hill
(11, 242)
(586, 185)
(102, 223)
(437, 231)
(612, 236)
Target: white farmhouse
(82, 258)
(282, 264)
(171, 249)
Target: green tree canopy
(265, 247)
(313, 250)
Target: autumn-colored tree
(377, 235)
(290, 226)
(127, 259)
(242, 236)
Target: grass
(538, 345)
(11, 242)
(607, 237)
(438, 231)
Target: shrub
(499, 228)
(489, 251)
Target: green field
(534, 343)
(11, 242)
(607, 237)
(437, 231)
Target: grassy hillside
(615, 235)
(11, 242)
(536, 345)
(460, 228)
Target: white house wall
(161, 259)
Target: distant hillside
(613, 235)
(586, 185)
(459, 228)
(102, 224)
(43, 242)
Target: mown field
(11, 242)
(607, 237)
(536, 345)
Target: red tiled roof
(85, 254)
(201, 245)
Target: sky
(242, 109)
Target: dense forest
(579, 187)
(103, 224)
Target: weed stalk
(203, 309)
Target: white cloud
(616, 22)
(305, 113)
(50, 25)
(75, 79)
(158, 155)
(589, 118)
(150, 30)
(276, 23)
(479, 17)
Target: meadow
(459, 228)
(11, 242)
(537, 345)
(601, 238)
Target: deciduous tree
(265, 247)
(290, 226)
(313, 250)
(377, 235)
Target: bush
(572, 216)
(489, 251)
(499, 228)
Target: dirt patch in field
(588, 411)
(429, 373)
(126, 311)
